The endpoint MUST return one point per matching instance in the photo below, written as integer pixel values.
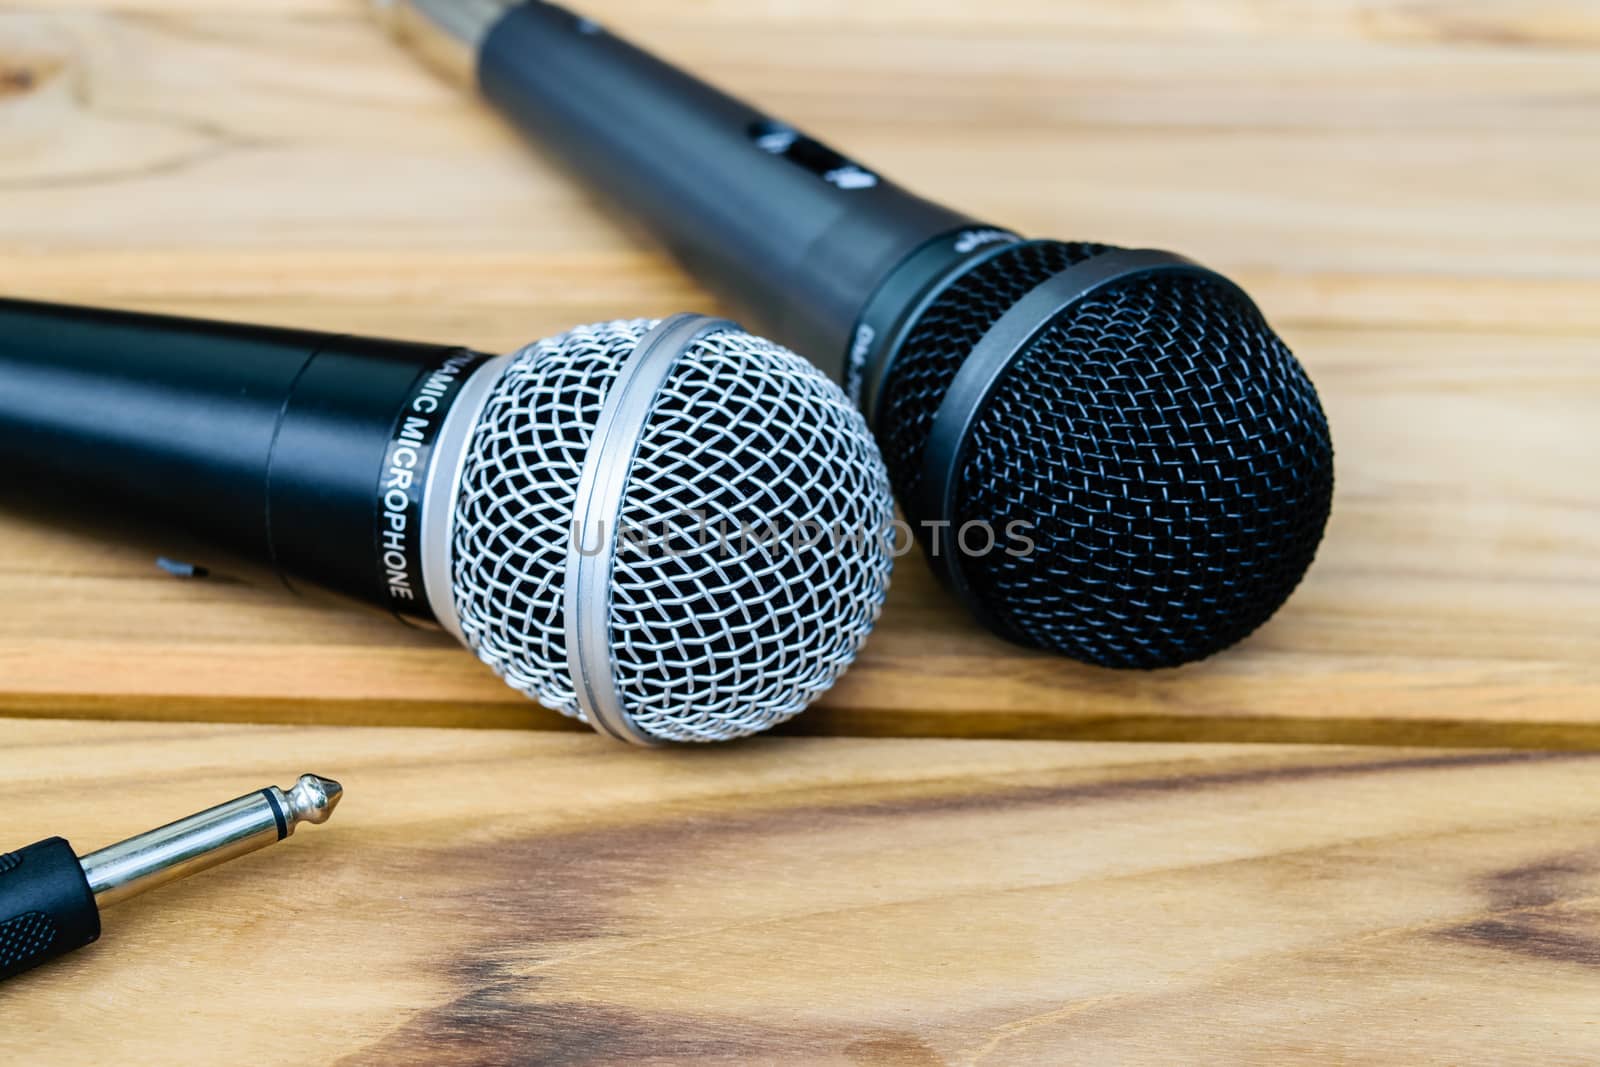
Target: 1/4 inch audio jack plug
(50, 899)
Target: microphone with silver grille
(675, 531)
(1132, 408)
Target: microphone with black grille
(675, 531)
(1130, 409)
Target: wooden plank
(1429, 182)
(525, 897)
(1405, 188)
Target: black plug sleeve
(46, 906)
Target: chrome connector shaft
(207, 839)
(445, 33)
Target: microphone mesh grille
(939, 343)
(714, 636)
(1167, 447)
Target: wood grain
(498, 897)
(1407, 188)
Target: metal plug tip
(447, 34)
(313, 799)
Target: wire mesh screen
(752, 552)
(1166, 449)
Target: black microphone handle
(282, 446)
(795, 236)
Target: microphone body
(575, 513)
(300, 450)
(1130, 408)
(786, 229)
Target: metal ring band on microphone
(981, 372)
(444, 487)
(597, 510)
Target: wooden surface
(1408, 189)
(525, 897)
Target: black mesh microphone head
(1166, 453)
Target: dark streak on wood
(540, 896)
(1451, 29)
(1533, 911)
(832, 718)
(892, 1050)
(16, 80)
(25, 73)
(1534, 935)
(1538, 885)
(1156, 785)
(506, 1023)
(494, 706)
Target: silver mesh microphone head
(673, 531)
